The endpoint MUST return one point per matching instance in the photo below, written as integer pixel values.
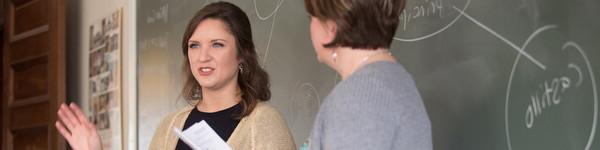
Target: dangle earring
(334, 56)
(241, 68)
(196, 93)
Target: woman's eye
(218, 45)
(193, 46)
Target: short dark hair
(253, 80)
(368, 24)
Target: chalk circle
(305, 105)
(515, 89)
(421, 35)
(268, 15)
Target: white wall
(80, 15)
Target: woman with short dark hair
(376, 105)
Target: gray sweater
(378, 107)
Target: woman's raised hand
(79, 132)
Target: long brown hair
(252, 80)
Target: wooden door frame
(2, 99)
(56, 92)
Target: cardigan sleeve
(271, 129)
(161, 133)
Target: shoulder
(265, 116)
(386, 72)
(379, 88)
(270, 128)
(378, 80)
(264, 107)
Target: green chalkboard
(511, 74)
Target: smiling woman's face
(212, 54)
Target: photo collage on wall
(105, 78)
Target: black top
(223, 122)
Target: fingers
(78, 113)
(67, 117)
(82, 118)
(63, 131)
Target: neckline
(226, 110)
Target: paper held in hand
(200, 136)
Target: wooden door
(33, 73)
(1, 88)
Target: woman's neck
(214, 100)
(349, 60)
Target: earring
(241, 68)
(196, 93)
(334, 56)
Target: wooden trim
(2, 99)
(30, 33)
(24, 4)
(37, 125)
(29, 59)
(10, 19)
(5, 136)
(28, 101)
(57, 75)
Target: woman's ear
(330, 29)
(240, 59)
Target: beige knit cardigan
(263, 129)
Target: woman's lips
(205, 71)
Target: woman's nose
(204, 55)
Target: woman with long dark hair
(225, 86)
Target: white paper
(200, 136)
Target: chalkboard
(511, 74)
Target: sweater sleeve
(358, 126)
(159, 140)
(271, 131)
